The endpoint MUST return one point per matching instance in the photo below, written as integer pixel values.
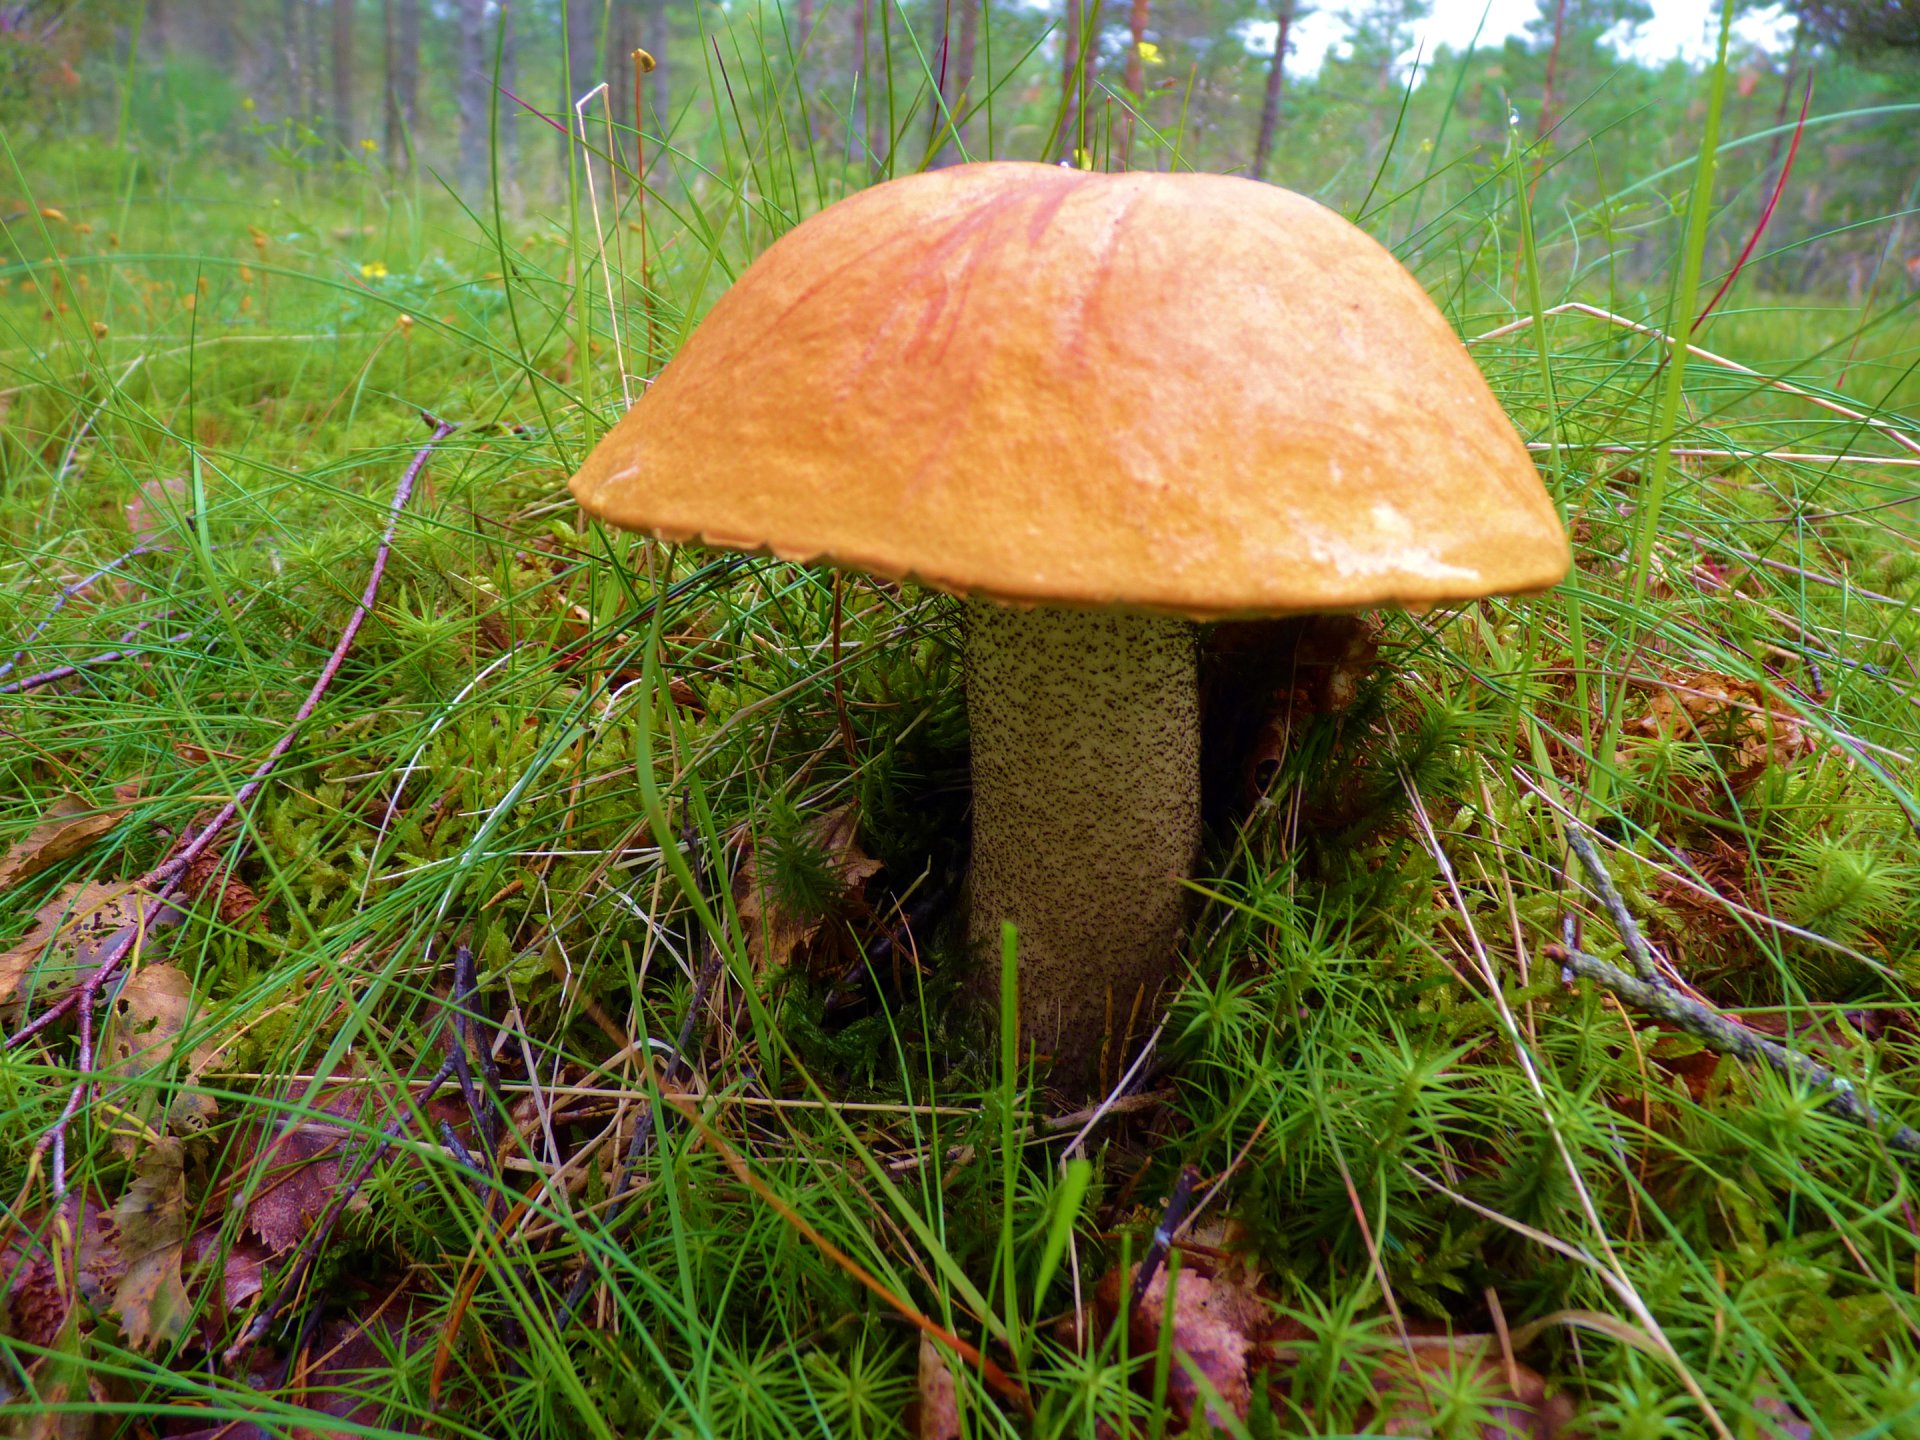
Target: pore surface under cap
(1186, 393)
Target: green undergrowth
(596, 760)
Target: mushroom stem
(1086, 818)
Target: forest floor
(399, 1105)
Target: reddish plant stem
(165, 878)
(67, 592)
(64, 672)
(1766, 215)
(401, 494)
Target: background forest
(465, 970)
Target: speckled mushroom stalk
(1086, 819)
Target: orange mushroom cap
(1189, 394)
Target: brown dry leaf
(305, 1154)
(40, 1289)
(69, 934)
(60, 1383)
(1220, 1325)
(69, 826)
(1733, 716)
(778, 935)
(1516, 1403)
(151, 1299)
(148, 512)
(149, 1014)
(939, 1399)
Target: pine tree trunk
(310, 62)
(292, 72)
(343, 72)
(408, 78)
(1276, 81)
(473, 89)
(396, 144)
(1070, 81)
(859, 122)
(1137, 31)
(963, 59)
(508, 37)
(654, 37)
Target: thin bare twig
(1729, 1037)
(63, 672)
(402, 493)
(67, 592)
(165, 879)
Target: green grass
(540, 712)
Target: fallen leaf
(305, 1155)
(939, 1417)
(778, 934)
(70, 824)
(41, 1290)
(1514, 1400)
(1735, 717)
(70, 933)
(151, 510)
(61, 1384)
(149, 1014)
(151, 1299)
(1219, 1326)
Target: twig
(402, 493)
(1730, 1037)
(62, 672)
(166, 878)
(1637, 949)
(67, 592)
(1163, 1233)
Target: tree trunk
(1276, 80)
(654, 36)
(343, 72)
(859, 122)
(310, 63)
(1137, 30)
(1553, 66)
(396, 144)
(1070, 80)
(508, 38)
(292, 72)
(473, 89)
(961, 70)
(408, 78)
(624, 29)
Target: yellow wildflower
(373, 270)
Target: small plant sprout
(1101, 408)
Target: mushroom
(1101, 408)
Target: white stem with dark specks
(1086, 819)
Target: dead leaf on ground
(1225, 1328)
(1735, 717)
(153, 1219)
(69, 935)
(70, 824)
(40, 1290)
(939, 1400)
(777, 934)
(1514, 1399)
(149, 514)
(305, 1156)
(338, 1377)
(149, 1014)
